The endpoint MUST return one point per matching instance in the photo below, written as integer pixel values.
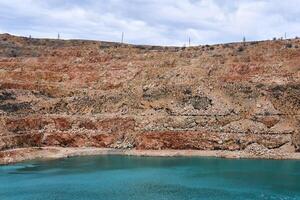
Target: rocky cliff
(99, 94)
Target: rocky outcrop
(296, 139)
(233, 97)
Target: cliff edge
(75, 93)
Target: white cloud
(163, 22)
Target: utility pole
(58, 36)
(122, 40)
(189, 41)
(244, 40)
(285, 35)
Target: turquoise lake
(143, 178)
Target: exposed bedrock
(98, 94)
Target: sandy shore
(46, 153)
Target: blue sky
(160, 22)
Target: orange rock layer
(98, 94)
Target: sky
(154, 22)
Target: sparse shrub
(168, 63)
(199, 102)
(274, 38)
(289, 45)
(216, 55)
(253, 43)
(240, 49)
(7, 96)
(12, 53)
(187, 91)
(225, 45)
(212, 48)
(245, 59)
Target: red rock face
(25, 124)
(206, 141)
(78, 140)
(97, 94)
(20, 141)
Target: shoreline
(51, 153)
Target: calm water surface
(139, 178)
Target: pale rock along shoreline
(50, 153)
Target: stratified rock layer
(99, 94)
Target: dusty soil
(89, 94)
